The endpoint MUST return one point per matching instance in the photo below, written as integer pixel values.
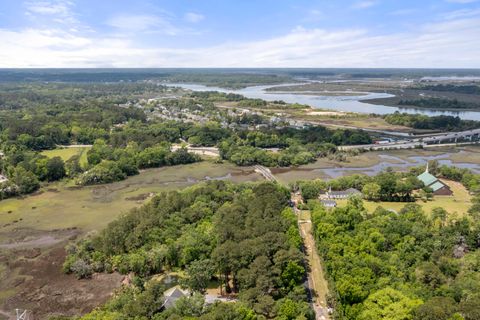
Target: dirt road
(316, 280)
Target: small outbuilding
(329, 203)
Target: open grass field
(456, 205)
(349, 120)
(62, 205)
(67, 153)
(34, 231)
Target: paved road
(425, 141)
(205, 151)
(453, 136)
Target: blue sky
(240, 33)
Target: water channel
(349, 103)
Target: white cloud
(193, 17)
(50, 12)
(141, 23)
(59, 7)
(462, 1)
(313, 15)
(166, 24)
(463, 13)
(364, 4)
(452, 43)
(403, 12)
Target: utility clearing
(317, 283)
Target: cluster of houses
(278, 120)
(439, 188)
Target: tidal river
(351, 103)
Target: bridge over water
(424, 141)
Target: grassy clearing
(67, 153)
(457, 204)
(359, 121)
(60, 205)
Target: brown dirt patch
(36, 282)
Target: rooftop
(349, 191)
(329, 203)
(437, 185)
(427, 178)
(172, 295)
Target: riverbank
(371, 163)
(35, 229)
(390, 93)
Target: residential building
(345, 194)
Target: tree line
(242, 238)
(36, 117)
(439, 103)
(442, 122)
(297, 146)
(386, 186)
(448, 87)
(405, 265)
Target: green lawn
(457, 204)
(67, 153)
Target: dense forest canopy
(242, 237)
(409, 264)
(211, 77)
(442, 122)
(116, 119)
(465, 88)
(406, 265)
(438, 103)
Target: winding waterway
(349, 103)
(413, 161)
